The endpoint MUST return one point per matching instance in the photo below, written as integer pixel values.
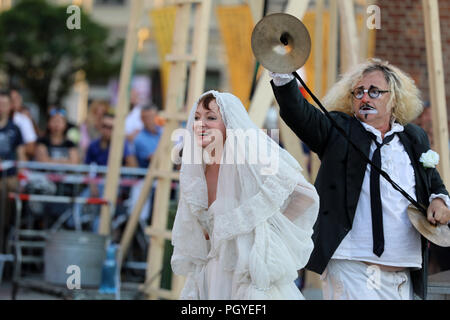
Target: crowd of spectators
(65, 143)
(62, 142)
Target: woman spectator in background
(54, 147)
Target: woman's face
(208, 125)
(57, 124)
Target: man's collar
(395, 127)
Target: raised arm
(304, 119)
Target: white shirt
(402, 245)
(133, 121)
(25, 126)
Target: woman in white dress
(245, 216)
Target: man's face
(134, 98)
(148, 118)
(373, 111)
(16, 100)
(107, 126)
(5, 106)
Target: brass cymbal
(281, 43)
(439, 235)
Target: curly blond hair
(405, 96)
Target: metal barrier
(76, 175)
(26, 238)
(63, 174)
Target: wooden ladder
(161, 167)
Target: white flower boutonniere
(429, 159)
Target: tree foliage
(38, 50)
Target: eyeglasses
(373, 92)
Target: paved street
(23, 294)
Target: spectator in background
(11, 148)
(90, 129)
(55, 147)
(72, 133)
(98, 150)
(26, 111)
(24, 123)
(147, 139)
(145, 145)
(98, 153)
(133, 121)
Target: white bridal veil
(260, 224)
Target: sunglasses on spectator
(373, 92)
(58, 111)
(106, 126)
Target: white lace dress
(260, 224)
(261, 264)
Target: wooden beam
(256, 7)
(200, 51)
(318, 48)
(292, 144)
(160, 208)
(263, 97)
(162, 233)
(163, 293)
(262, 100)
(349, 44)
(81, 87)
(367, 36)
(364, 38)
(174, 103)
(332, 45)
(437, 86)
(133, 220)
(5, 5)
(118, 134)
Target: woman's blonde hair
(405, 96)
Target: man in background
(11, 148)
(24, 123)
(147, 139)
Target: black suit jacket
(341, 173)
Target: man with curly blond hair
(365, 245)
